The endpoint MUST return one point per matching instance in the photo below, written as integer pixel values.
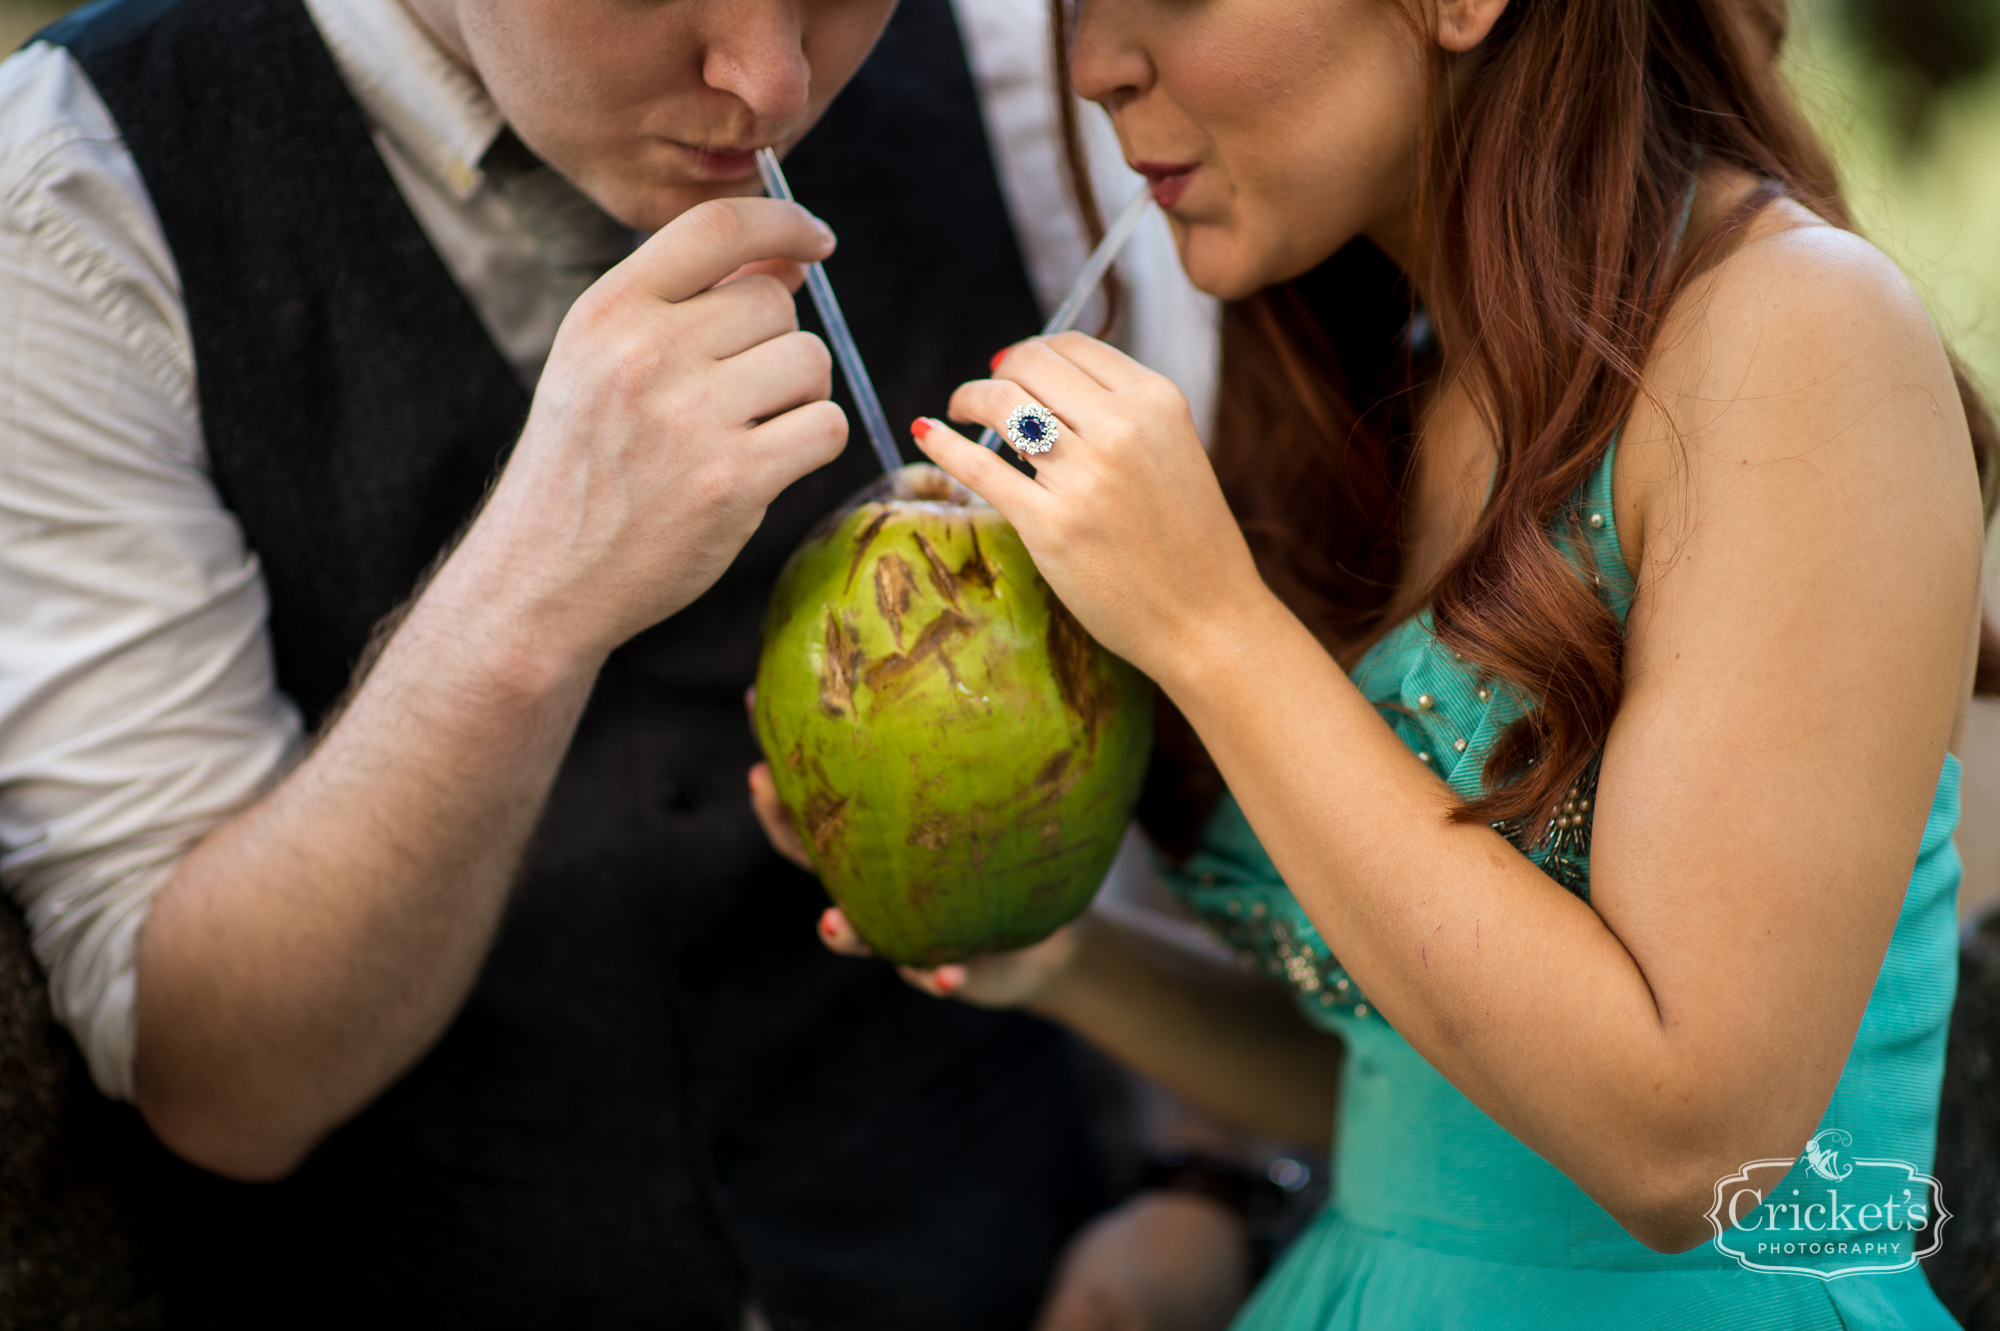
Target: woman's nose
(1107, 61)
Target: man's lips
(1169, 180)
(720, 163)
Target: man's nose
(760, 58)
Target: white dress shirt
(138, 704)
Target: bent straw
(844, 349)
(1094, 268)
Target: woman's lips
(1169, 180)
(720, 163)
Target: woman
(1596, 720)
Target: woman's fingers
(979, 471)
(775, 818)
(1052, 379)
(940, 983)
(840, 935)
(1104, 363)
(991, 401)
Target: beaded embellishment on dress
(1564, 851)
(1284, 945)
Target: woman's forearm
(1229, 1042)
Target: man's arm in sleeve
(309, 948)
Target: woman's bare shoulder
(1804, 340)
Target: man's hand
(1163, 1261)
(679, 399)
(310, 949)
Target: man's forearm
(310, 949)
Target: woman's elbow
(1667, 1206)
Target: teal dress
(1439, 1217)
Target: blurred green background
(1907, 93)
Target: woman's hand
(1124, 516)
(998, 980)
(776, 818)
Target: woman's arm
(1228, 1042)
(1811, 541)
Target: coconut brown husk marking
(932, 833)
(822, 820)
(941, 575)
(977, 568)
(892, 676)
(843, 657)
(895, 589)
(1072, 652)
(862, 540)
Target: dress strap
(1599, 524)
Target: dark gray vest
(662, 1094)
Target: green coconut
(960, 757)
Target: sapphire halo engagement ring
(1032, 429)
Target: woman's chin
(1215, 261)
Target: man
(492, 987)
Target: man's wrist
(520, 633)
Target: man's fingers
(793, 275)
(795, 442)
(772, 377)
(711, 240)
(726, 320)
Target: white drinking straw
(1094, 268)
(844, 350)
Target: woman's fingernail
(948, 978)
(826, 924)
(920, 427)
(825, 231)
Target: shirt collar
(435, 109)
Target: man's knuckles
(719, 226)
(805, 364)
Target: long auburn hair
(1554, 190)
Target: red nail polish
(945, 983)
(825, 927)
(920, 427)
(998, 356)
